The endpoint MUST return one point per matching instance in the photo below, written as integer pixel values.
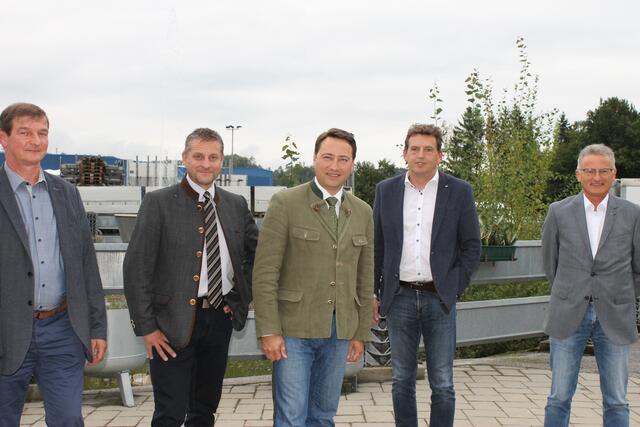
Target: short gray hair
(597, 150)
(203, 134)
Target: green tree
(517, 141)
(241, 161)
(616, 123)
(290, 177)
(367, 175)
(568, 141)
(464, 150)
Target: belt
(420, 286)
(49, 313)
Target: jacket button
(29, 274)
(586, 297)
(29, 302)
(192, 301)
(593, 274)
(199, 254)
(199, 207)
(196, 278)
(330, 301)
(201, 230)
(133, 324)
(335, 246)
(332, 283)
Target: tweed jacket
(612, 278)
(304, 271)
(164, 258)
(85, 298)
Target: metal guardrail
(477, 322)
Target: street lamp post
(233, 129)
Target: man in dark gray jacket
(52, 312)
(187, 279)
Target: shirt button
(200, 230)
(36, 218)
(192, 301)
(39, 240)
(199, 254)
(196, 278)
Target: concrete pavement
(490, 392)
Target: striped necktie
(214, 266)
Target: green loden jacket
(303, 272)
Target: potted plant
(498, 234)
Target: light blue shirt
(40, 224)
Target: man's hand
(158, 341)
(376, 315)
(273, 347)
(227, 309)
(98, 349)
(356, 348)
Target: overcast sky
(128, 78)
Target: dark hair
(20, 109)
(338, 134)
(424, 129)
(204, 134)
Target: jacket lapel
(397, 199)
(442, 197)
(8, 200)
(345, 215)
(609, 221)
(581, 223)
(319, 209)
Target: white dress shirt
(326, 194)
(595, 221)
(417, 220)
(225, 259)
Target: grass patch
(506, 290)
(248, 368)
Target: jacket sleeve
(550, 245)
(469, 242)
(365, 286)
(92, 281)
(272, 244)
(378, 258)
(140, 264)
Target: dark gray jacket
(162, 260)
(85, 298)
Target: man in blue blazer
(52, 311)
(427, 245)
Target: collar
(199, 190)
(435, 178)
(324, 193)
(588, 206)
(16, 180)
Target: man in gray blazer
(187, 279)
(52, 311)
(591, 253)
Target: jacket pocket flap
(289, 295)
(304, 234)
(160, 299)
(359, 240)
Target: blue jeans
(307, 384)
(613, 365)
(414, 313)
(56, 359)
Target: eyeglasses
(605, 172)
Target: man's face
(333, 163)
(28, 142)
(422, 156)
(203, 161)
(596, 175)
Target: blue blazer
(455, 238)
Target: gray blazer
(85, 298)
(455, 238)
(165, 255)
(612, 278)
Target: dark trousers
(56, 359)
(191, 384)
